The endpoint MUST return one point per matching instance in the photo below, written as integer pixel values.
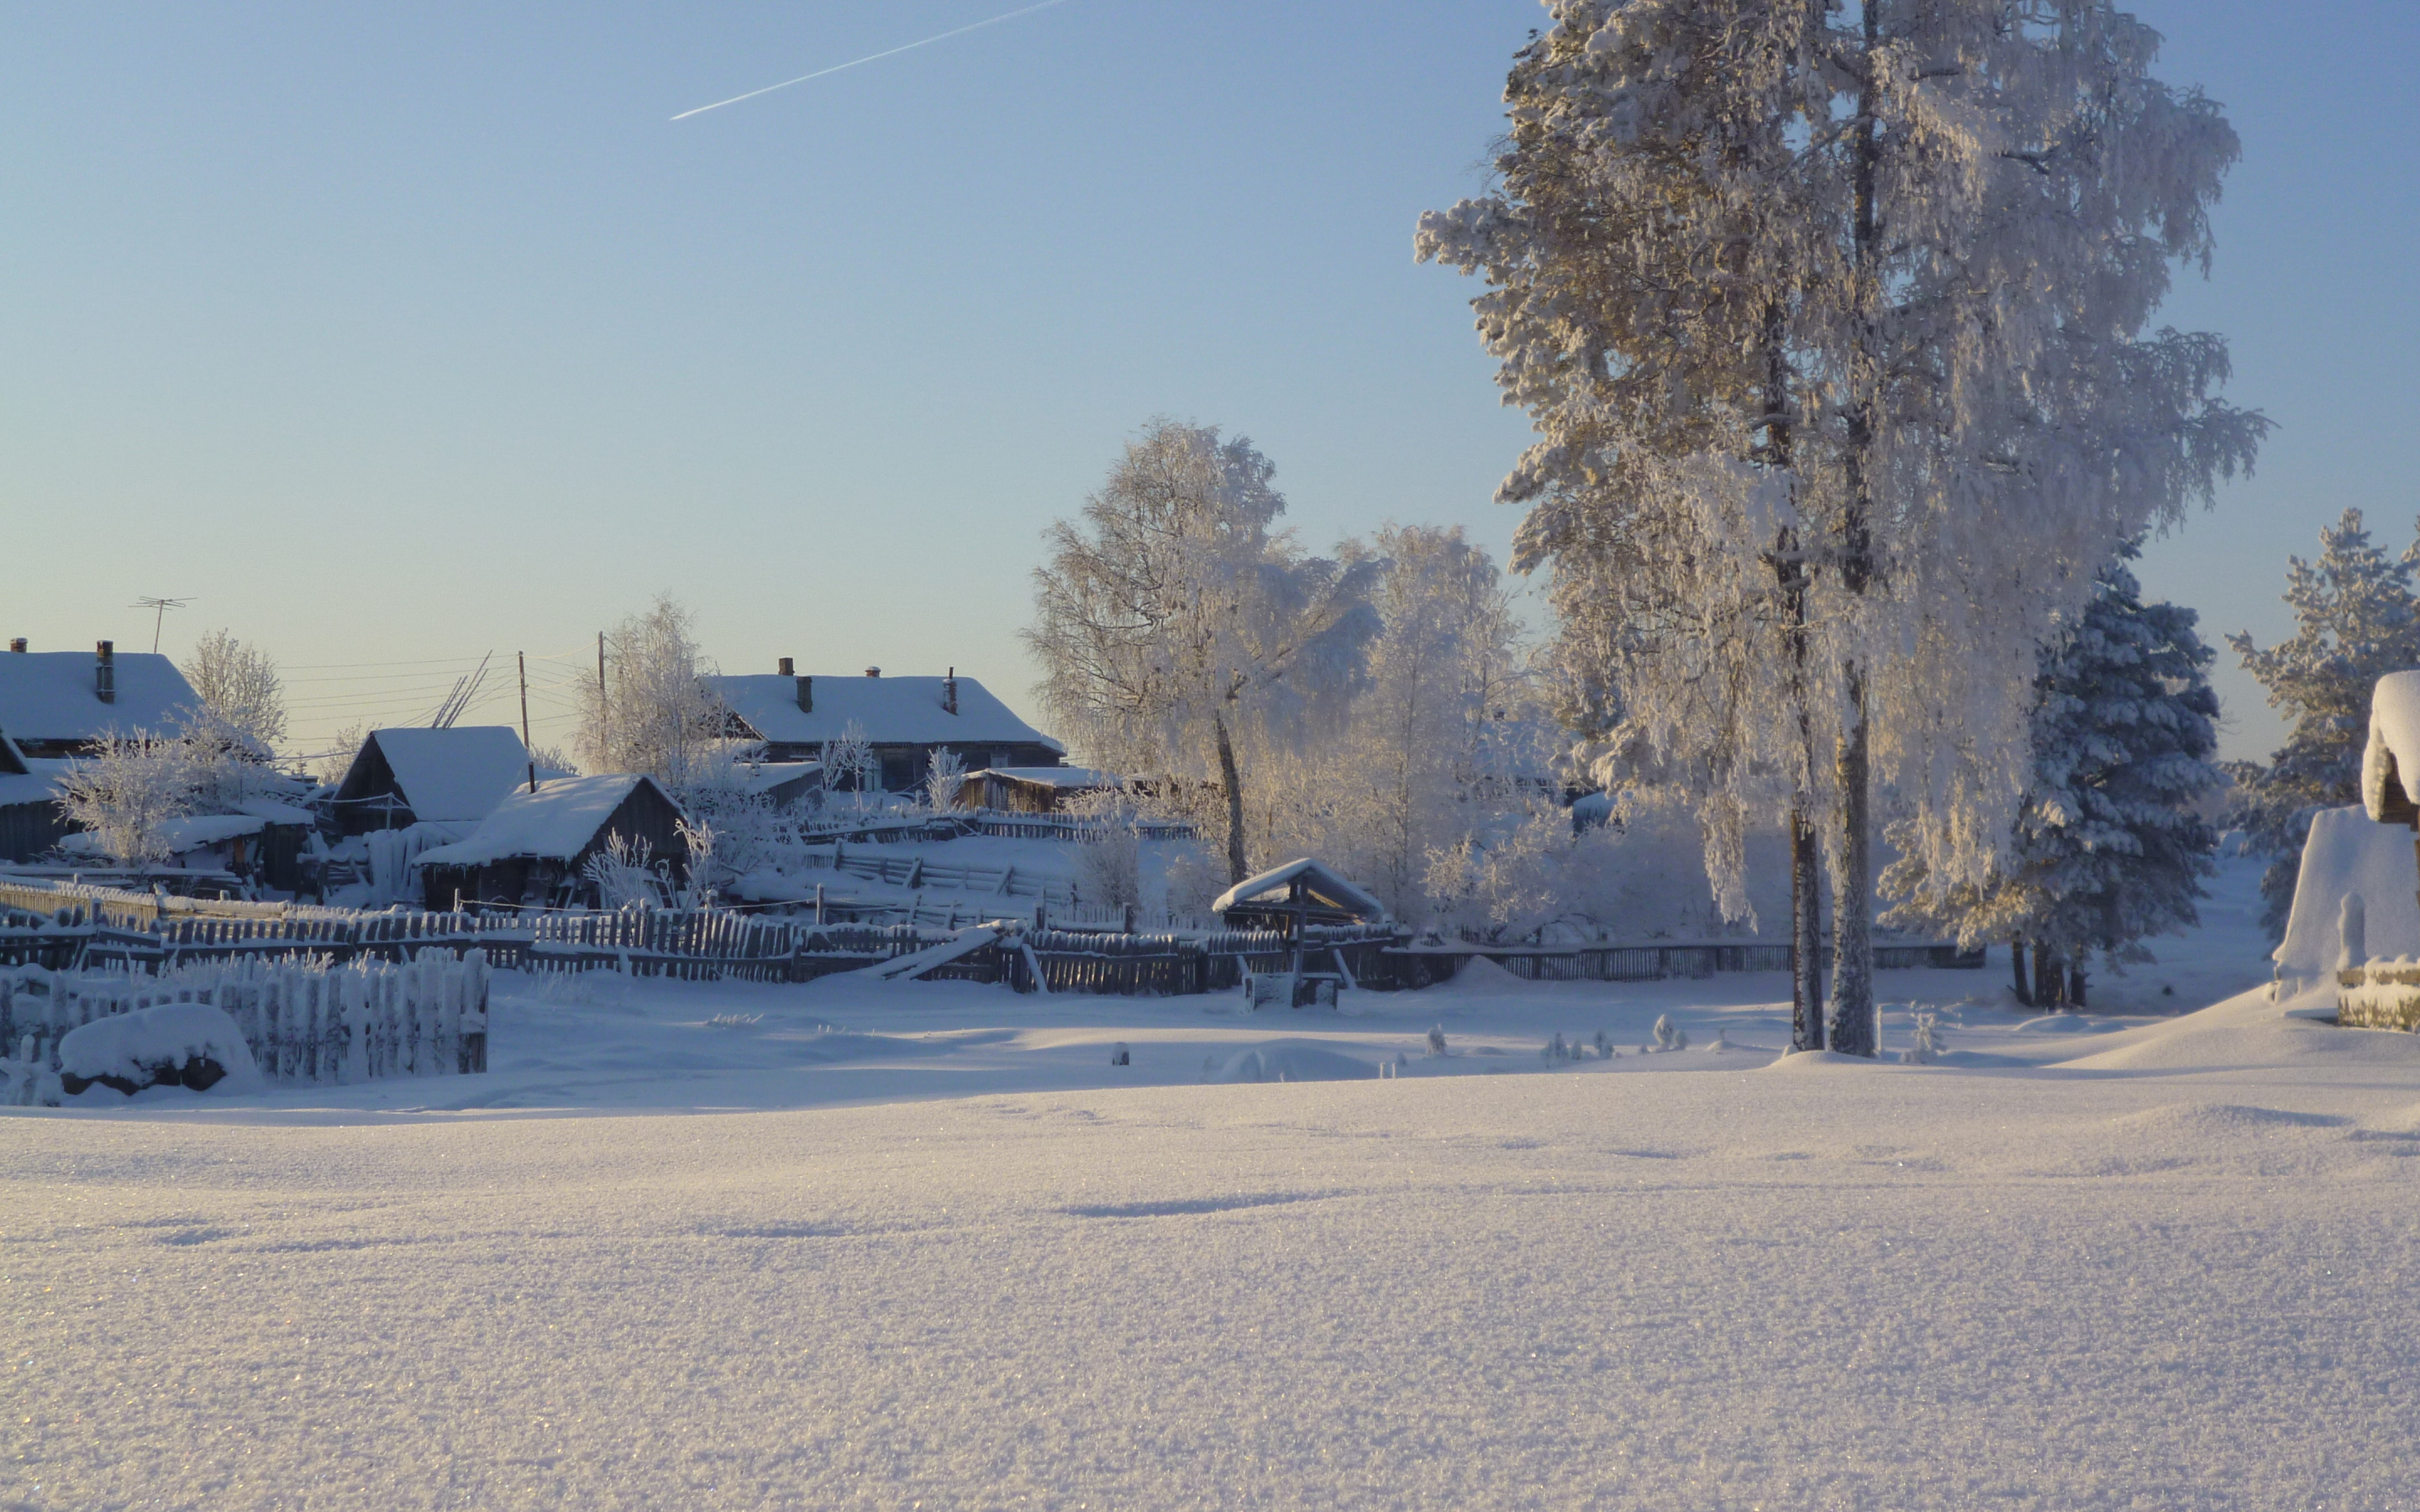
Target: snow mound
(136, 1048)
(2245, 1031)
(1480, 973)
(1292, 1060)
(2190, 1122)
(1820, 1060)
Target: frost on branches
(2109, 849)
(655, 713)
(126, 793)
(1178, 628)
(2356, 620)
(1831, 323)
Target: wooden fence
(1102, 953)
(305, 1021)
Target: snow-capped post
(522, 658)
(1963, 225)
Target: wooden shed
(1032, 789)
(402, 777)
(30, 817)
(1296, 894)
(531, 849)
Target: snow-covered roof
(554, 824)
(48, 695)
(2393, 748)
(1322, 882)
(901, 710)
(763, 776)
(1057, 776)
(455, 773)
(37, 784)
(191, 833)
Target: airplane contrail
(871, 57)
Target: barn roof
(48, 695)
(1325, 886)
(1077, 778)
(445, 775)
(893, 711)
(554, 824)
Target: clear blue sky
(391, 335)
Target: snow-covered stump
(2380, 994)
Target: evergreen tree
(2108, 849)
(2356, 620)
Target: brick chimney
(950, 692)
(18, 644)
(806, 692)
(789, 668)
(874, 672)
(104, 672)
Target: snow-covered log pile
(2381, 993)
(299, 1021)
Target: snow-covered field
(924, 1246)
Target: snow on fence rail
(305, 1021)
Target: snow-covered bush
(942, 779)
(621, 876)
(1109, 872)
(849, 763)
(126, 793)
(1669, 1035)
(1925, 1048)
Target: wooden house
(59, 703)
(261, 847)
(403, 777)
(1296, 894)
(1032, 789)
(30, 819)
(908, 720)
(531, 849)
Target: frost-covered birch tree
(1426, 755)
(127, 792)
(1832, 322)
(655, 713)
(239, 689)
(1178, 629)
(2356, 620)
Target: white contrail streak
(872, 57)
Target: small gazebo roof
(1322, 886)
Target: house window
(898, 770)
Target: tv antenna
(160, 608)
(466, 688)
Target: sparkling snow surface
(2095, 1261)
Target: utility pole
(523, 656)
(160, 608)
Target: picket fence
(307, 1021)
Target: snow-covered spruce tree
(656, 713)
(1928, 235)
(2109, 850)
(1179, 631)
(2356, 620)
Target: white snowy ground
(944, 1255)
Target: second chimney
(950, 692)
(789, 668)
(104, 672)
(806, 692)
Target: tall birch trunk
(1854, 1030)
(1806, 935)
(1232, 780)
